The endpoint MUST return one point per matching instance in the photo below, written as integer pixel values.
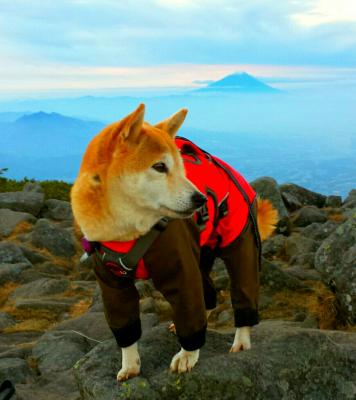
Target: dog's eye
(160, 167)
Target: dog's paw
(184, 361)
(126, 373)
(172, 328)
(242, 340)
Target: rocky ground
(55, 344)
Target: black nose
(198, 199)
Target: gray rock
(274, 246)
(291, 201)
(336, 262)
(305, 260)
(13, 272)
(59, 350)
(147, 305)
(351, 198)
(10, 219)
(285, 362)
(57, 209)
(148, 321)
(14, 369)
(11, 254)
(144, 287)
(333, 201)
(307, 215)
(40, 288)
(57, 241)
(267, 188)
(32, 187)
(302, 195)
(224, 318)
(33, 256)
(6, 320)
(319, 231)
(297, 244)
(303, 274)
(222, 280)
(276, 278)
(97, 302)
(29, 202)
(55, 306)
(92, 324)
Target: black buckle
(223, 208)
(202, 217)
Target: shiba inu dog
(134, 176)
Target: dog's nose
(198, 199)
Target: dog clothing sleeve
(173, 264)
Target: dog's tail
(267, 218)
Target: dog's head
(132, 165)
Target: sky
(92, 45)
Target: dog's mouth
(178, 213)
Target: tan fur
(267, 218)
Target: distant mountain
(46, 135)
(237, 82)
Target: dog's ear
(173, 123)
(131, 129)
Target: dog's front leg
(184, 361)
(242, 339)
(130, 363)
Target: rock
(307, 215)
(144, 287)
(55, 306)
(92, 324)
(303, 274)
(12, 272)
(333, 201)
(274, 246)
(350, 199)
(147, 305)
(40, 288)
(33, 256)
(58, 210)
(277, 279)
(302, 195)
(97, 302)
(29, 202)
(336, 262)
(148, 321)
(224, 318)
(267, 188)
(285, 362)
(297, 244)
(10, 219)
(319, 231)
(291, 201)
(163, 309)
(54, 386)
(310, 322)
(57, 241)
(222, 280)
(305, 260)
(6, 320)
(14, 369)
(32, 187)
(11, 254)
(59, 350)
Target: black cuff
(128, 335)
(193, 342)
(246, 317)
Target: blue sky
(96, 44)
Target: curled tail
(267, 218)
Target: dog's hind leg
(130, 363)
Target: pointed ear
(173, 123)
(133, 124)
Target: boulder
(297, 244)
(319, 231)
(305, 260)
(350, 200)
(333, 201)
(58, 351)
(300, 195)
(276, 279)
(336, 262)
(40, 288)
(267, 188)
(14, 369)
(274, 246)
(56, 307)
(58, 241)
(58, 210)
(10, 253)
(307, 215)
(32, 187)
(12, 272)
(10, 219)
(285, 362)
(29, 202)
(5, 321)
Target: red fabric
(205, 174)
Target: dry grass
(31, 325)
(320, 303)
(5, 292)
(22, 227)
(337, 217)
(80, 308)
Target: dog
(146, 211)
